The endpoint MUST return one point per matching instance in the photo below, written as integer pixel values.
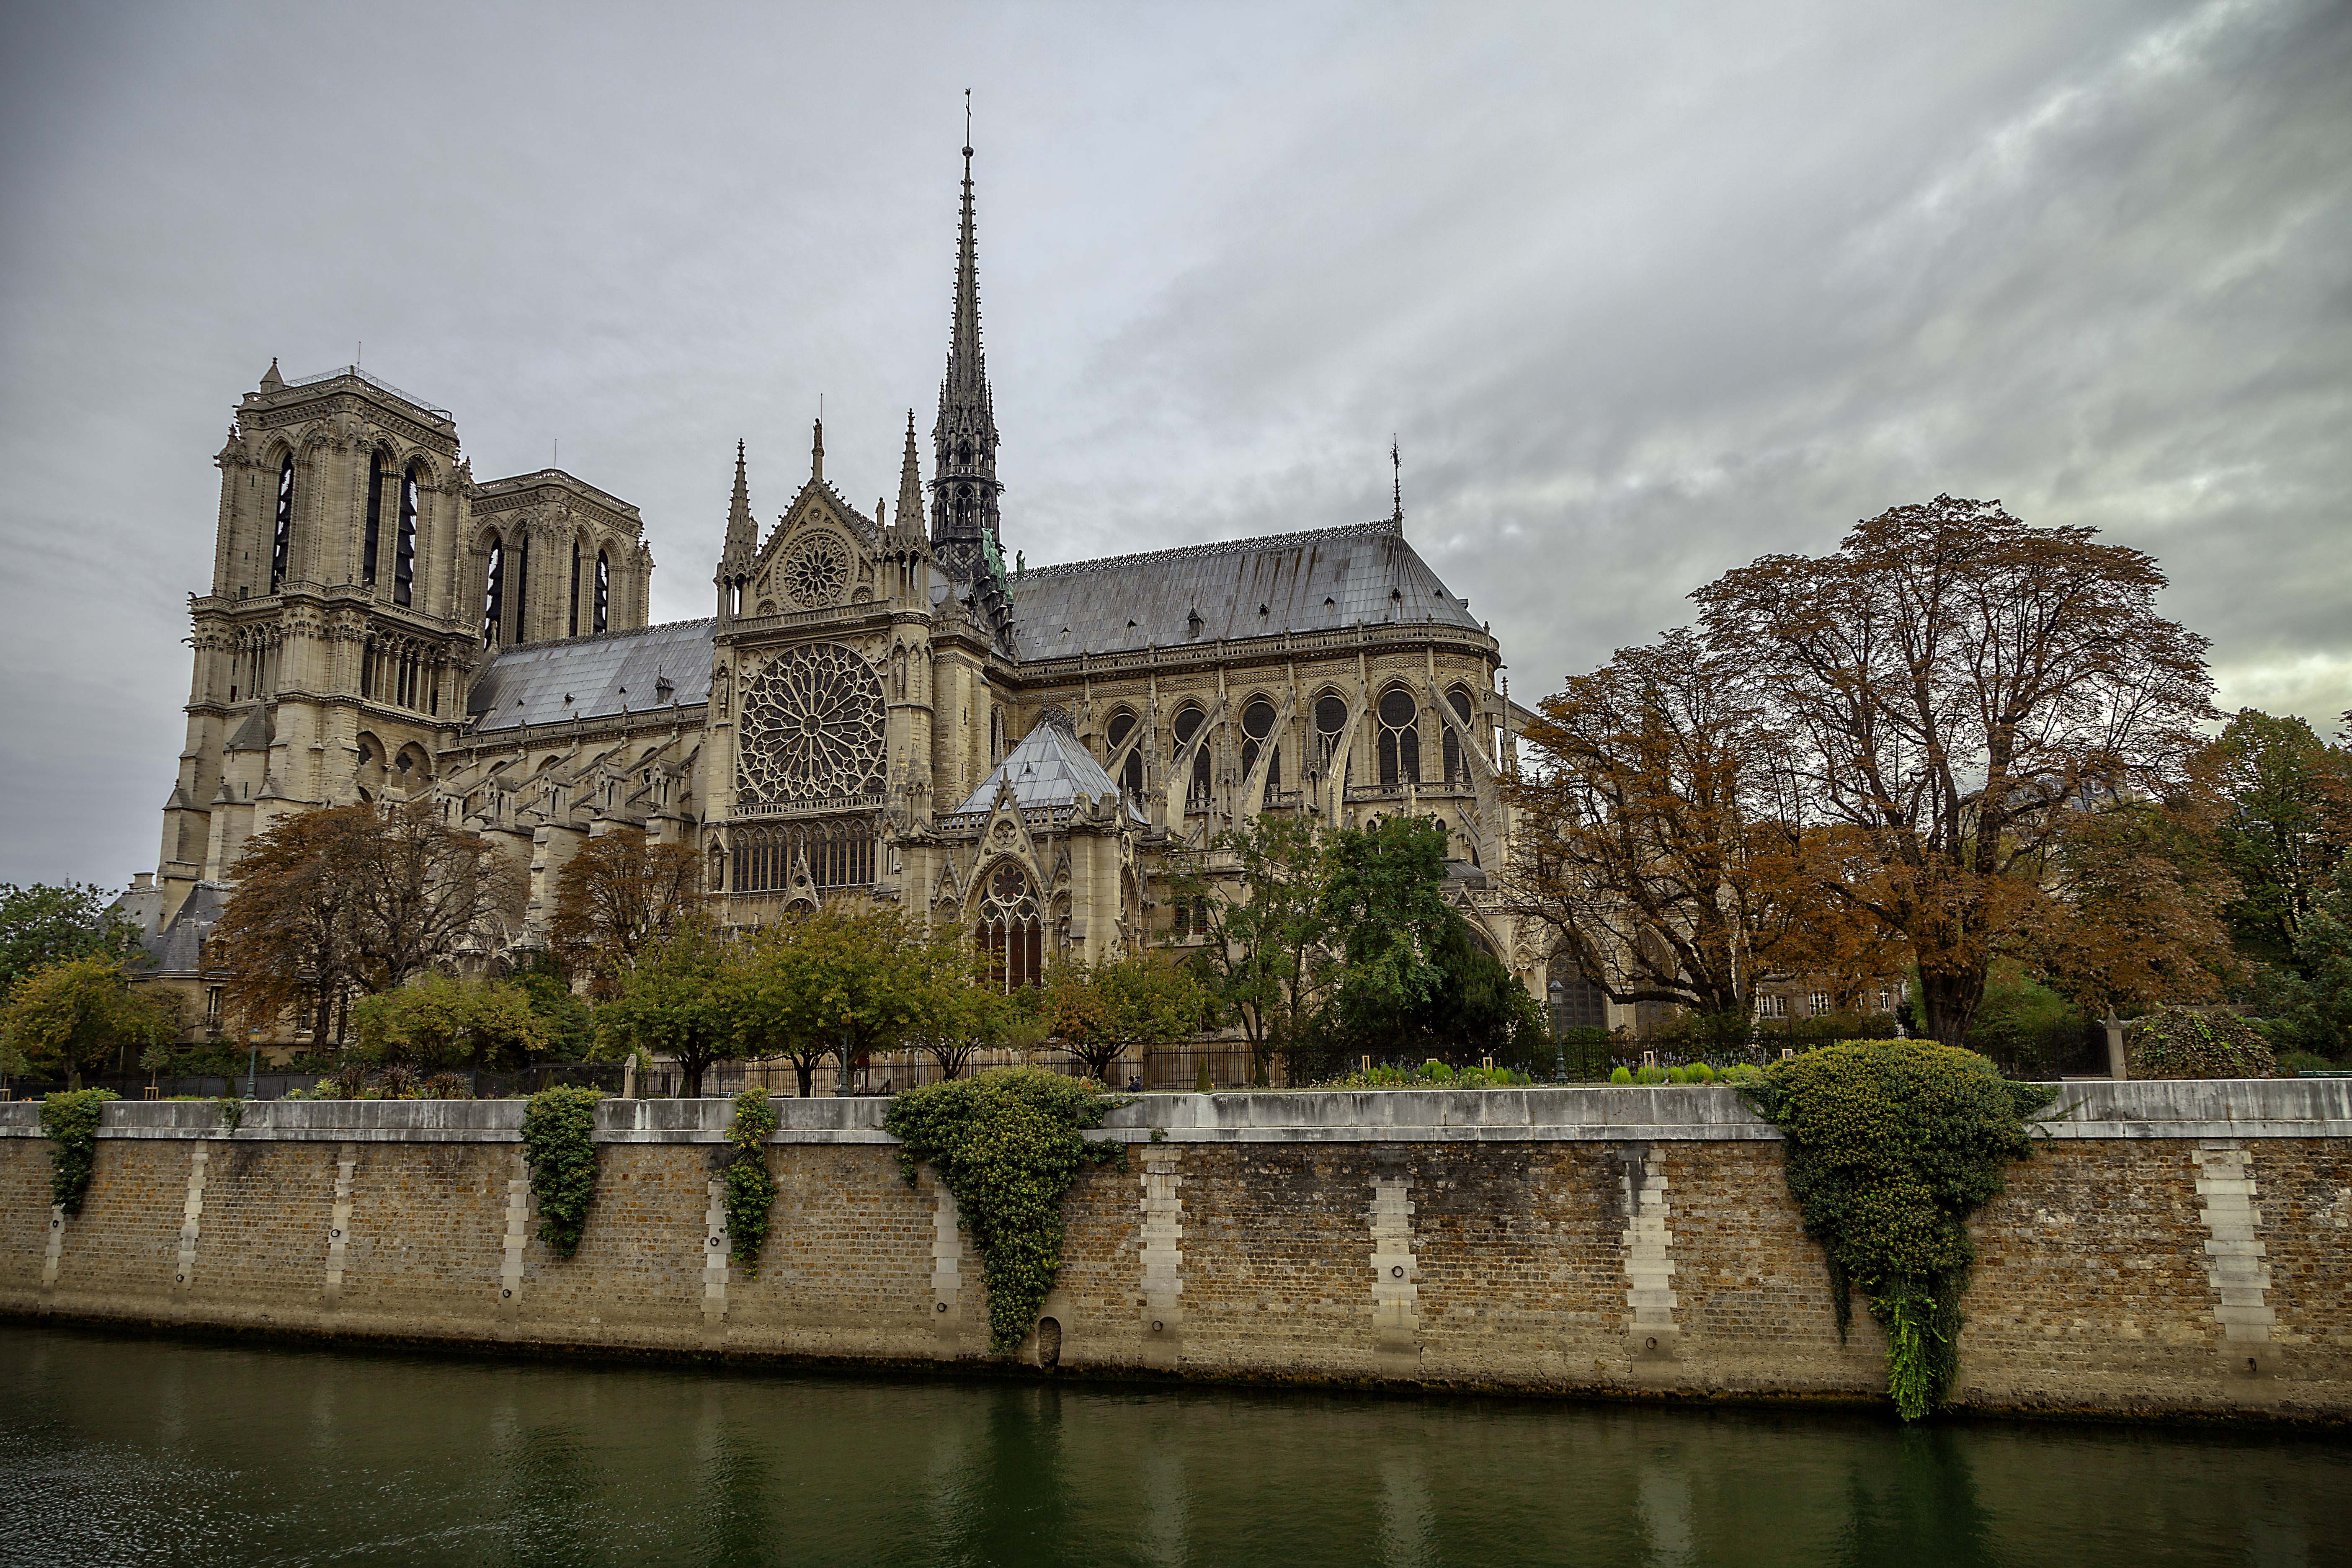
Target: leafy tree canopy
(44, 923)
(79, 1014)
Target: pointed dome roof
(1049, 767)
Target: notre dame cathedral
(878, 704)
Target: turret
(743, 544)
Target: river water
(118, 1449)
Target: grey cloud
(1643, 293)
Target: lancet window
(1010, 933)
(1399, 737)
(839, 853)
(1131, 773)
(282, 547)
(403, 561)
(369, 544)
(1330, 724)
(1458, 699)
(571, 620)
(603, 591)
(1189, 719)
(1258, 730)
(494, 593)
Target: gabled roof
(1323, 580)
(1049, 767)
(601, 676)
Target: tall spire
(910, 485)
(742, 533)
(964, 489)
(1396, 483)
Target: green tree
(847, 982)
(44, 923)
(439, 1021)
(2280, 822)
(569, 1023)
(679, 1001)
(74, 1013)
(2306, 1003)
(1100, 1012)
(1265, 929)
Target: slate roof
(1050, 766)
(601, 676)
(1322, 580)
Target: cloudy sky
(1643, 291)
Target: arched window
(374, 519)
(404, 559)
(1399, 738)
(494, 593)
(1458, 699)
(1576, 1002)
(1257, 727)
(1189, 719)
(1330, 723)
(996, 735)
(572, 622)
(603, 592)
(281, 548)
(522, 589)
(1131, 773)
(1009, 931)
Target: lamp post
(252, 1061)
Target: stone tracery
(812, 727)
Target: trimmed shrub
(2177, 1043)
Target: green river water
(126, 1450)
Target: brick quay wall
(2172, 1248)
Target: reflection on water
(130, 1450)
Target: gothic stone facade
(878, 706)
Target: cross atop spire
(1396, 483)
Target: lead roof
(594, 676)
(1322, 580)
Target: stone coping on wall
(2264, 1108)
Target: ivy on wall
(1890, 1146)
(1007, 1143)
(69, 1120)
(558, 1128)
(750, 1190)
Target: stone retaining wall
(2172, 1248)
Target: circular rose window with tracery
(812, 727)
(814, 572)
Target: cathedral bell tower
(331, 654)
(964, 488)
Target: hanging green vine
(70, 1120)
(1890, 1146)
(750, 1190)
(558, 1142)
(1007, 1143)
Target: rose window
(812, 727)
(814, 572)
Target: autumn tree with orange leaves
(619, 894)
(1654, 837)
(1959, 694)
(358, 898)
